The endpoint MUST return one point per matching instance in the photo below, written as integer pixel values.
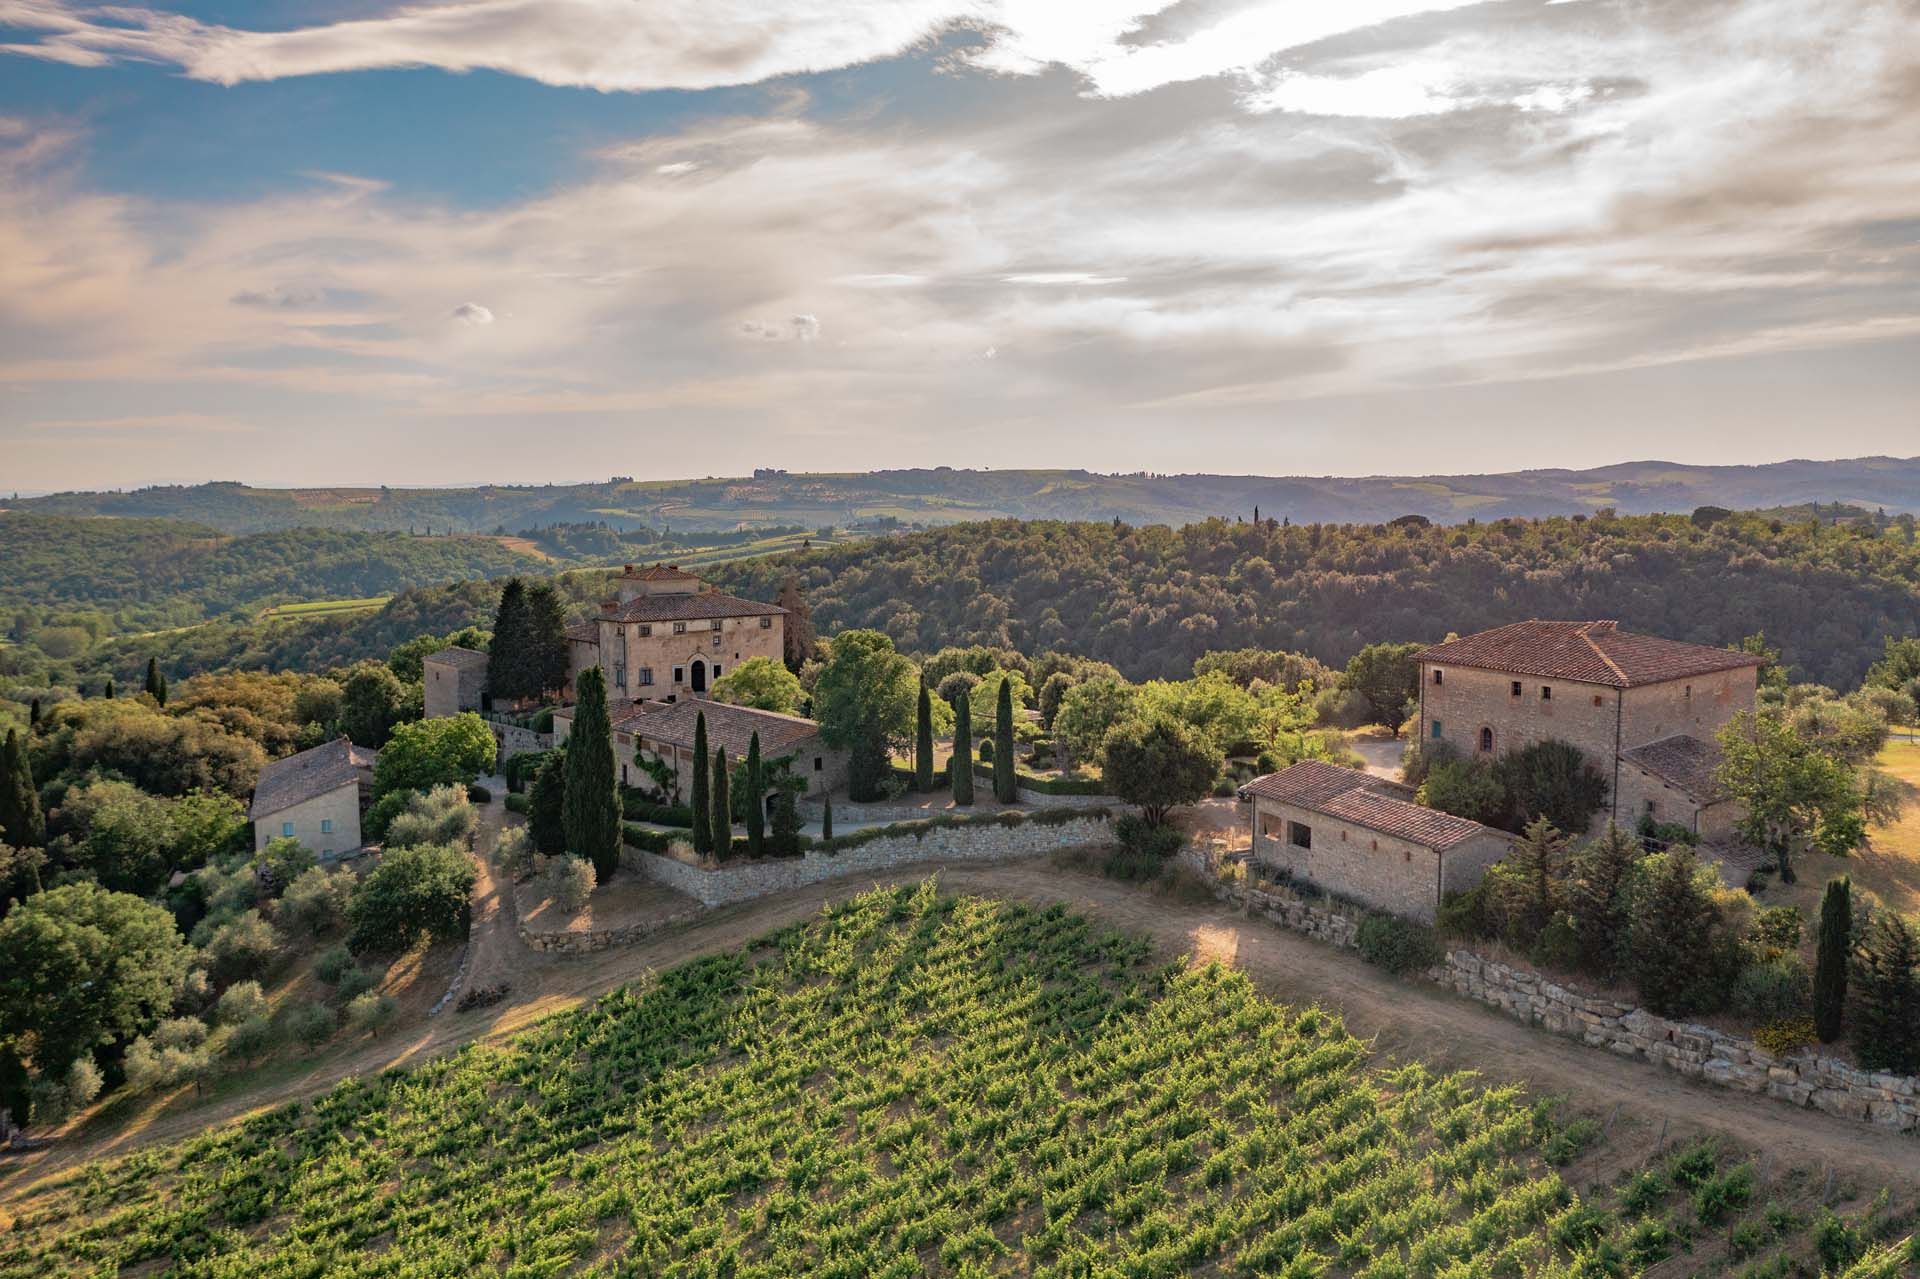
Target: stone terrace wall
(1699, 1052)
(984, 841)
(563, 942)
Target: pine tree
(1886, 1035)
(698, 797)
(21, 821)
(1598, 898)
(826, 818)
(1526, 883)
(1830, 962)
(923, 741)
(547, 807)
(549, 662)
(592, 812)
(960, 767)
(1670, 945)
(510, 672)
(1006, 788)
(756, 801)
(722, 833)
(156, 682)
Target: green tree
(156, 682)
(512, 664)
(592, 810)
(1052, 691)
(372, 702)
(1006, 786)
(80, 967)
(420, 892)
(1835, 948)
(1886, 1032)
(434, 752)
(762, 683)
(21, 822)
(923, 740)
(1465, 787)
(547, 807)
(700, 798)
(1160, 764)
(1388, 679)
(1600, 898)
(797, 637)
(1088, 712)
(756, 800)
(864, 700)
(1791, 792)
(784, 839)
(960, 767)
(548, 660)
(1527, 884)
(1554, 780)
(826, 819)
(1670, 942)
(722, 810)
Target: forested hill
(1150, 600)
(943, 495)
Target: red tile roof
(728, 726)
(1585, 652)
(659, 573)
(314, 772)
(584, 632)
(1369, 802)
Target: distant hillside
(943, 495)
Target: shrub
(310, 1024)
(253, 1038)
(245, 947)
(513, 853)
(83, 1082)
(1719, 1197)
(373, 827)
(353, 983)
(1772, 990)
(1137, 834)
(417, 892)
(638, 808)
(370, 1012)
(1566, 1145)
(569, 882)
(1467, 914)
(1779, 928)
(281, 862)
(316, 902)
(334, 963)
(479, 794)
(519, 804)
(1786, 1037)
(239, 1002)
(1398, 945)
(443, 815)
(1837, 1244)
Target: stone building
(455, 680)
(1364, 838)
(664, 731)
(1643, 709)
(316, 797)
(666, 635)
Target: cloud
(1061, 277)
(798, 328)
(472, 313)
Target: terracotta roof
(1585, 652)
(730, 726)
(584, 632)
(1686, 762)
(311, 773)
(699, 606)
(658, 573)
(465, 658)
(1369, 802)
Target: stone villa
(316, 797)
(664, 731)
(1643, 709)
(666, 635)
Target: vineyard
(911, 1084)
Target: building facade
(665, 635)
(316, 797)
(1364, 838)
(455, 680)
(664, 732)
(1643, 709)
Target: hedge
(654, 841)
(636, 807)
(518, 803)
(1050, 785)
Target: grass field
(913, 1084)
(326, 608)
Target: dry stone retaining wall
(586, 942)
(1700, 1052)
(981, 841)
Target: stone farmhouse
(666, 635)
(1643, 709)
(455, 680)
(664, 731)
(1364, 838)
(316, 797)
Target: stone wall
(513, 740)
(563, 942)
(1804, 1079)
(985, 841)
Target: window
(645, 630)
(1439, 675)
(1597, 699)
(326, 825)
(679, 628)
(1651, 806)
(286, 829)
(716, 670)
(1546, 692)
(646, 675)
(619, 674)
(1486, 740)
(766, 623)
(1689, 692)
(1436, 729)
(1299, 835)
(817, 765)
(714, 625)
(623, 774)
(1516, 688)
(679, 674)
(1269, 826)
(326, 852)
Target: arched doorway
(697, 675)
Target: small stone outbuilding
(316, 797)
(1363, 838)
(456, 681)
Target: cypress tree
(1830, 965)
(784, 840)
(923, 741)
(697, 797)
(826, 819)
(156, 682)
(592, 811)
(510, 671)
(21, 822)
(33, 715)
(1887, 1033)
(546, 807)
(960, 767)
(548, 663)
(722, 833)
(109, 687)
(1005, 788)
(1598, 898)
(755, 801)
(1671, 941)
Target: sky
(355, 241)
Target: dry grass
(1888, 867)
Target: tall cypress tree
(698, 798)
(722, 807)
(826, 818)
(109, 688)
(1830, 964)
(1005, 788)
(547, 807)
(33, 715)
(923, 741)
(548, 662)
(960, 767)
(21, 822)
(755, 801)
(156, 682)
(592, 812)
(510, 672)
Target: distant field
(327, 608)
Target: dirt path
(493, 943)
(1643, 1103)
